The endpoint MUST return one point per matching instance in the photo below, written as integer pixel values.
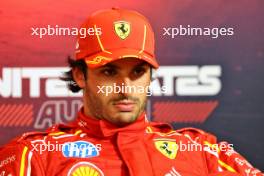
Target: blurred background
(223, 77)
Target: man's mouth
(125, 105)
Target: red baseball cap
(116, 34)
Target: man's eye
(139, 71)
(109, 72)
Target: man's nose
(125, 84)
(127, 81)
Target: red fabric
(134, 150)
(116, 33)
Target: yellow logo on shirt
(85, 169)
(167, 147)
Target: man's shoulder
(55, 132)
(193, 131)
(166, 130)
(196, 133)
(25, 138)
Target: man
(111, 135)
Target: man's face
(119, 107)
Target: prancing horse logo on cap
(122, 29)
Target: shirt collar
(103, 128)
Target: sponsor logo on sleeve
(7, 160)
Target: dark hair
(80, 64)
(68, 76)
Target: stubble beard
(96, 106)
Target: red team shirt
(96, 148)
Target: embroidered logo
(167, 147)
(122, 29)
(85, 169)
(80, 149)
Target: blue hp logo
(79, 149)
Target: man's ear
(78, 77)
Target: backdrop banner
(211, 55)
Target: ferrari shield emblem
(167, 147)
(122, 29)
